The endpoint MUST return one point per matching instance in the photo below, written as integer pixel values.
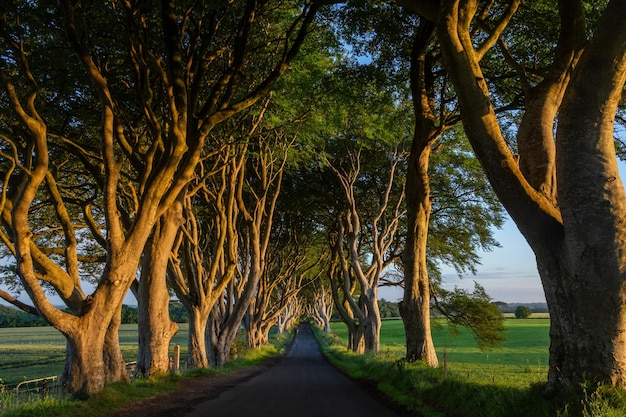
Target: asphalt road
(302, 384)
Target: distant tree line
(513, 307)
(11, 317)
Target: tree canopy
(260, 158)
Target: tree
(256, 196)
(523, 312)
(366, 241)
(206, 247)
(142, 74)
(565, 195)
(155, 327)
(450, 208)
(129, 315)
(388, 309)
(319, 305)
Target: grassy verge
(119, 395)
(470, 384)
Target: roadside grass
(118, 395)
(507, 381)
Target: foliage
(10, 317)
(474, 311)
(523, 312)
(465, 210)
(129, 314)
(178, 313)
(388, 309)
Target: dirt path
(302, 383)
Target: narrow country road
(302, 384)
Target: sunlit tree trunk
(114, 364)
(156, 330)
(143, 134)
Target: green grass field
(521, 359)
(504, 381)
(36, 352)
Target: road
(302, 384)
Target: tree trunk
(197, 349)
(224, 330)
(84, 373)
(356, 340)
(325, 319)
(156, 330)
(371, 323)
(415, 305)
(593, 206)
(114, 364)
(256, 337)
(220, 340)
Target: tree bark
(593, 205)
(371, 323)
(156, 330)
(84, 373)
(415, 305)
(226, 320)
(197, 349)
(114, 364)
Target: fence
(32, 390)
(38, 389)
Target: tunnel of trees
(264, 161)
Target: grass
(37, 352)
(118, 395)
(507, 381)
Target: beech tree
(256, 197)
(205, 251)
(450, 207)
(366, 240)
(292, 263)
(565, 193)
(318, 305)
(150, 71)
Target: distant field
(37, 352)
(524, 354)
